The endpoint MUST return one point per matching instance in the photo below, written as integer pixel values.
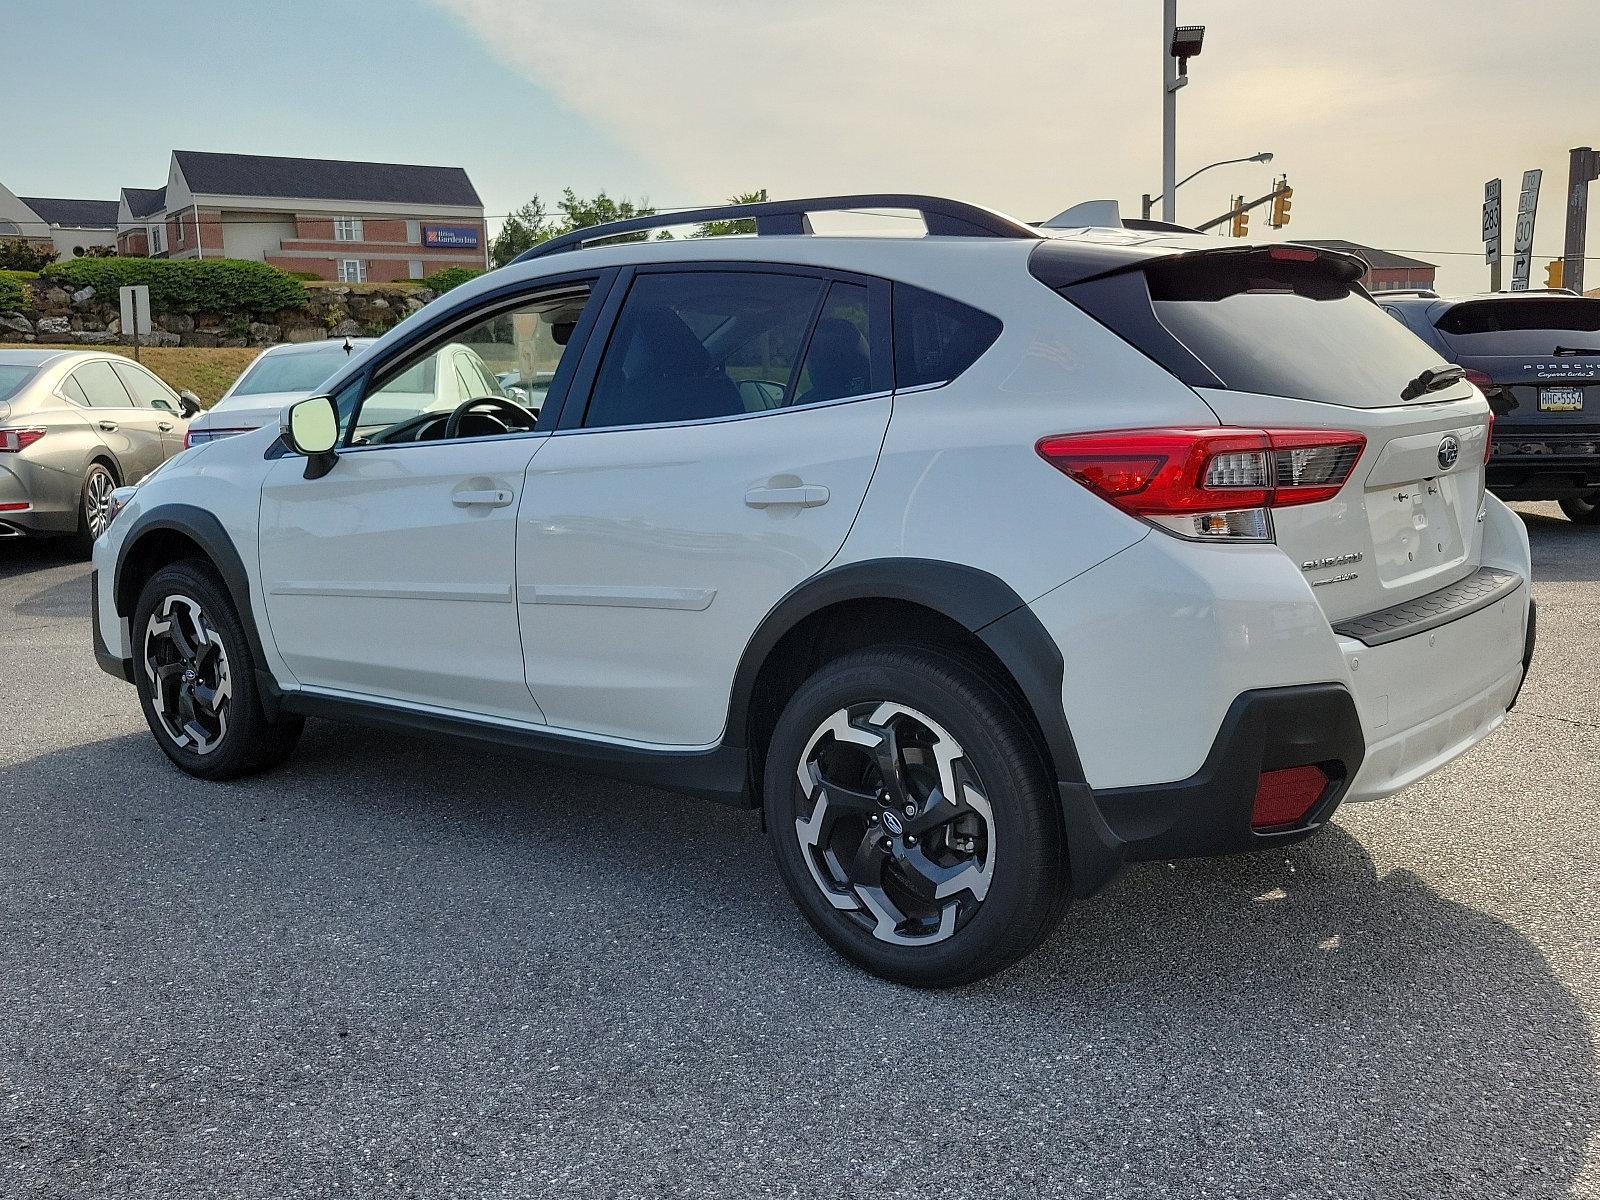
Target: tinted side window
(936, 338)
(691, 345)
(101, 388)
(147, 391)
(839, 360)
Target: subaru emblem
(1449, 451)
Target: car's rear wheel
(913, 817)
(197, 678)
(1582, 510)
(94, 504)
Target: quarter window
(98, 386)
(347, 229)
(352, 270)
(936, 338)
(693, 345)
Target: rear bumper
(1549, 462)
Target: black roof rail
(947, 218)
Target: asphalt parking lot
(405, 967)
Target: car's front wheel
(1582, 510)
(913, 818)
(197, 679)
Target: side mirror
(188, 402)
(311, 428)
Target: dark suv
(1536, 355)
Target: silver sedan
(74, 425)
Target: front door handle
(808, 495)
(108, 426)
(492, 498)
(164, 426)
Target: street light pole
(1169, 112)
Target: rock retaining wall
(58, 315)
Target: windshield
(1286, 328)
(12, 379)
(303, 371)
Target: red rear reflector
(23, 506)
(13, 440)
(1488, 437)
(1173, 472)
(1292, 254)
(1285, 797)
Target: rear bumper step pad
(1462, 598)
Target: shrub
(187, 285)
(14, 295)
(18, 255)
(20, 275)
(450, 277)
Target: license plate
(1565, 399)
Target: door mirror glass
(311, 427)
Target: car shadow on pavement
(1563, 552)
(392, 935)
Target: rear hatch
(1283, 338)
(1541, 354)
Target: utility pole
(1170, 83)
(1585, 169)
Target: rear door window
(695, 345)
(100, 386)
(1285, 328)
(936, 338)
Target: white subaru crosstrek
(984, 562)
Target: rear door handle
(492, 498)
(809, 495)
(108, 426)
(164, 426)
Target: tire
(942, 893)
(93, 496)
(1582, 510)
(197, 678)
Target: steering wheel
(510, 408)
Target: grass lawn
(205, 371)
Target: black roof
(144, 201)
(74, 214)
(1383, 260)
(324, 179)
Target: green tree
(522, 230)
(729, 228)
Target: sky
(1386, 115)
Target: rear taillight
(1212, 484)
(13, 440)
(1488, 437)
(197, 437)
(1479, 380)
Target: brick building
(351, 221)
(1386, 269)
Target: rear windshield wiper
(1563, 351)
(1432, 380)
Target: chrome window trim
(727, 417)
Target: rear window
(302, 371)
(1534, 325)
(1285, 328)
(936, 338)
(12, 378)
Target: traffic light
(1280, 206)
(1241, 218)
(1552, 273)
